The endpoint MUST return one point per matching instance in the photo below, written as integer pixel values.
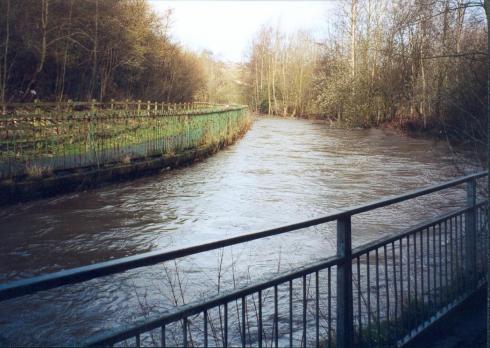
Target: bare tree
(3, 66)
(487, 12)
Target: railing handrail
(102, 338)
(114, 102)
(76, 275)
(48, 109)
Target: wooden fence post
(36, 106)
(139, 106)
(470, 233)
(93, 104)
(112, 104)
(345, 321)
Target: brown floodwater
(282, 171)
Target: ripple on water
(282, 171)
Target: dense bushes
(414, 64)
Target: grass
(69, 142)
(37, 171)
(414, 313)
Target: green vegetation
(419, 65)
(224, 83)
(56, 51)
(37, 144)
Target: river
(282, 171)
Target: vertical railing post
(37, 111)
(470, 233)
(345, 328)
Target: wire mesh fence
(37, 139)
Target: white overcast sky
(228, 27)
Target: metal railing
(37, 139)
(382, 293)
(70, 106)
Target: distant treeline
(418, 64)
(92, 49)
(415, 64)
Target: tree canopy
(98, 49)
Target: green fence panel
(37, 141)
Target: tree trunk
(274, 83)
(5, 55)
(257, 91)
(42, 51)
(459, 24)
(300, 90)
(284, 86)
(424, 93)
(65, 56)
(94, 52)
(274, 67)
(442, 71)
(487, 11)
(269, 92)
(353, 25)
(261, 71)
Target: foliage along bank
(92, 49)
(418, 65)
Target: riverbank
(282, 171)
(26, 188)
(465, 327)
(474, 150)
